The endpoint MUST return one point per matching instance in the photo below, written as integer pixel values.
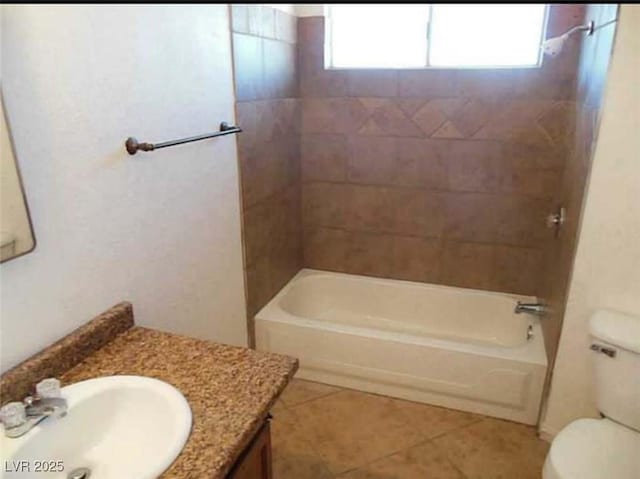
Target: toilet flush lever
(604, 350)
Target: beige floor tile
(495, 449)
(299, 391)
(293, 455)
(350, 429)
(278, 408)
(433, 421)
(420, 462)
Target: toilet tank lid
(616, 328)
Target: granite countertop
(230, 390)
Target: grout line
(448, 239)
(297, 420)
(462, 474)
(282, 403)
(273, 196)
(315, 450)
(435, 190)
(314, 398)
(424, 441)
(459, 428)
(310, 443)
(368, 463)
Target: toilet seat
(594, 449)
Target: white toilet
(607, 448)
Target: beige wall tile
(389, 120)
(369, 254)
(418, 212)
(472, 217)
(326, 249)
(372, 160)
(485, 83)
(468, 265)
(324, 157)
(516, 270)
(369, 208)
(325, 204)
(491, 143)
(416, 259)
(266, 81)
(421, 162)
(332, 115)
(592, 62)
(429, 118)
(382, 83)
(427, 83)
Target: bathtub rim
(532, 351)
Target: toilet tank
(616, 356)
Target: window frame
(328, 49)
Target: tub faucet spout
(538, 309)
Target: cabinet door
(255, 462)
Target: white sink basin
(117, 427)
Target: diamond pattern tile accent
(472, 116)
(449, 106)
(558, 121)
(532, 122)
(388, 119)
(410, 105)
(429, 118)
(448, 130)
(371, 105)
(517, 121)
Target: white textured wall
(607, 265)
(161, 229)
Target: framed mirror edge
(34, 240)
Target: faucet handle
(13, 414)
(48, 388)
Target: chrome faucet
(19, 418)
(539, 309)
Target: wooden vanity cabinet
(255, 461)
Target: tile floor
(323, 432)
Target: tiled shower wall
(559, 253)
(267, 108)
(443, 176)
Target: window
(433, 35)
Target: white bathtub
(453, 347)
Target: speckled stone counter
(230, 390)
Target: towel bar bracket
(133, 146)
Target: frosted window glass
(378, 36)
(461, 35)
(486, 35)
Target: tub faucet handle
(538, 309)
